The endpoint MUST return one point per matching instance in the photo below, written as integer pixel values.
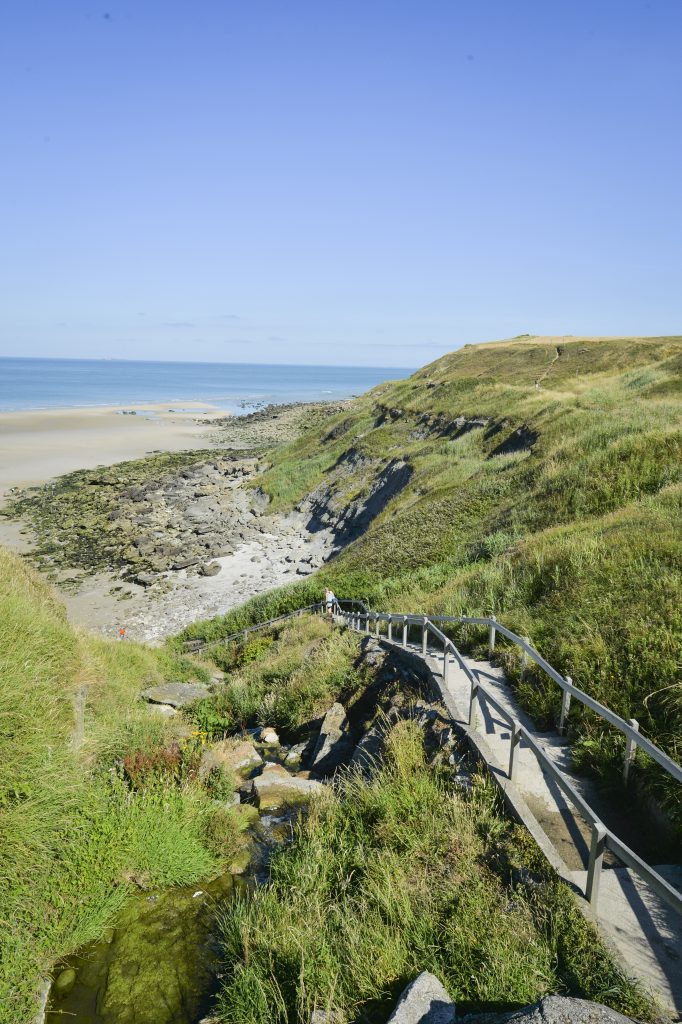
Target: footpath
(643, 930)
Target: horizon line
(205, 362)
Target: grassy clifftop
(543, 486)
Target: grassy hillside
(544, 487)
(401, 874)
(77, 833)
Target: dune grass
(75, 835)
(402, 874)
(285, 678)
(545, 489)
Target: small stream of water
(160, 962)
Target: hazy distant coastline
(49, 384)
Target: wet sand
(36, 446)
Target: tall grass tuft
(398, 875)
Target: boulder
(276, 788)
(369, 748)
(269, 736)
(175, 694)
(185, 561)
(424, 1001)
(145, 579)
(210, 569)
(326, 1017)
(64, 982)
(334, 744)
(295, 753)
(163, 709)
(563, 1010)
(233, 755)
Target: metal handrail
(195, 646)
(630, 728)
(602, 837)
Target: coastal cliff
(535, 479)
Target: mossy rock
(159, 968)
(241, 861)
(64, 982)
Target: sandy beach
(37, 445)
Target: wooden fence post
(491, 638)
(630, 750)
(390, 627)
(565, 707)
(515, 741)
(472, 705)
(446, 663)
(405, 632)
(597, 847)
(524, 656)
(424, 638)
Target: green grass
(75, 837)
(285, 679)
(398, 875)
(570, 536)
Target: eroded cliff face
(347, 518)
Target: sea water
(233, 387)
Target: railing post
(79, 700)
(377, 624)
(390, 628)
(524, 656)
(565, 707)
(630, 751)
(424, 638)
(491, 637)
(405, 632)
(597, 847)
(446, 663)
(472, 705)
(515, 741)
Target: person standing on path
(330, 601)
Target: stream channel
(160, 961)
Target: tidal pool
(158, 965)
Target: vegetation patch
(545, 488)
(80, 835)
(285, 679)
(402, 874)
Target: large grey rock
(276, 788)
(424, 1001)
(560, 1010)
(233, 755)
(176, 694)
(369, 748)
(334, 744)
(552, 1010)
(210, 569)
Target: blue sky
(371, 182)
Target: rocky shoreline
(155, 544)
